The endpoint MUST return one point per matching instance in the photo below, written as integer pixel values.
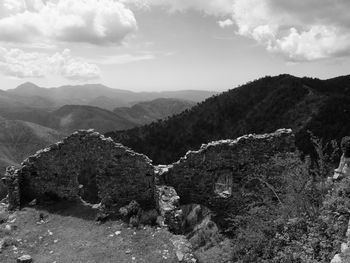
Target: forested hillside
(148, 111)
(264, 105)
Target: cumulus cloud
(300, 30)
(225, 23)
(209, 7)
(96, 22)
(124, 59)
(17, 63)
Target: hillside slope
(149, 111)
(260, 106)
(70, 118)
(19, 139)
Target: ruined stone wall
(89, 165)
(214, 174)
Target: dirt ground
(68, 233)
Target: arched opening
(88, 189)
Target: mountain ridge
(260, 106)
(97, 95)
(149, 111)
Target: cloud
(299, 30)
(17, 63)
(123, 59)
(96, 22)
(66, 65)
(225, 23)
(209, 7)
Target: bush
(345, 146)
(294, 215)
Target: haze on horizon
(154, 45)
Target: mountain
(261, 106)
(94, 95)
(149, 111)
(10, 100)
(28, 114)
(70, 118)
(19, 139)
(105, 102)
(191, 95)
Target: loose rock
(25, 259)
(3, 217)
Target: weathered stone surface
(168, 205)
(25, 259)
(214, 171)
(87, 165)
(90, 166)
(11, 180)
(336, 259)
(183, 249)
(205, 234)
(193, 215)
(3, 216)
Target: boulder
(183, 249)
(167, 202)
(205, 235)
(25, 259)
(3, 216)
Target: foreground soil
(68, 233)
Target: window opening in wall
(223, 185)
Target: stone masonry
(95, 168)
(211, 174)
(88, 165)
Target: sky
(155, 45)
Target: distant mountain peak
(27, 85)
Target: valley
(32, 117)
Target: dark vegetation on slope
(70, 118)
(261, 106)
(149, 111)
(19, 139)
